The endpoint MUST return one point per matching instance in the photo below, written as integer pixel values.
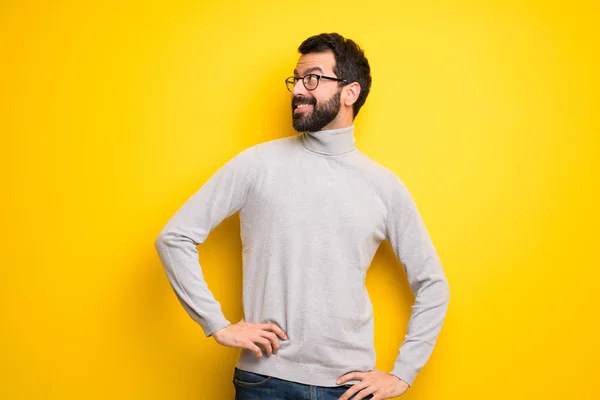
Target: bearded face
(310, 115)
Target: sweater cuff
(400, 379)
(210, 327)
(405, 373)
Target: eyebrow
(308, 71)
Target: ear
(350, 93)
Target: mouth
(299, 108)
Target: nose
(299, 88)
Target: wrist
(402, 384)
(218, 332)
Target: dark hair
(350, 61)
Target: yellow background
(113, 114)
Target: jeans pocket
(249, 379)
(340, 390)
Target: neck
(330, 141)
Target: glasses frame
(288, 81)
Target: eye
(312, 79)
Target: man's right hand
(248, 336)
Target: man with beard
(313, 210)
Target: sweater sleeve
(411, 243)
(221, 196)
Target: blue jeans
(251, 386)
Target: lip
(302, 108)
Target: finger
(359, 376)
(266, 344)
(276, 329)
(365, 392)
(255, 349)
(353, 390)
(273, 338)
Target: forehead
(315, 62)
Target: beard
(320, 116)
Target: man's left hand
(375, 382)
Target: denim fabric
(251, 386)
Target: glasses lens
(311, 81)
(289, 83)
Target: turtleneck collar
(330, 142)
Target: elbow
(440, 289)
(170, 237)
(433, 290)
(162, 240)
(445, 291)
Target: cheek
(319, 100)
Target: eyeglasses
(310, 81)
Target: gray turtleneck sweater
(313, 210)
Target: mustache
(297, 100)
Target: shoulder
(266, 147)
(380, 173)
(271, 146)
(258, 154)
(278, 144)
